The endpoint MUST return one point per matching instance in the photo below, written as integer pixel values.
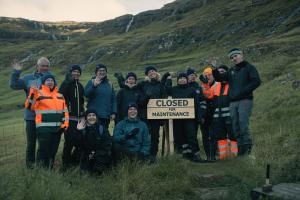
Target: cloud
(75, 10)
(62, 10)
(136, 6)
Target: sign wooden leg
(167, 144)
(171, 138)
(163, 141)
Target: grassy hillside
(179, 36)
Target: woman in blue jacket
(101, 96)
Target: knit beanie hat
(182, 75)
(148, 68)
(190, 71)
(234, 51)
(46, 76)
(130, 105)
(131, 74)
(75, 67)
(99, 66)
(90, 110)
(223, 67)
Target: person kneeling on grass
(131, 137)
(96, 144)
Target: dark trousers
(240, 112)
(95, 161)
(185, 133)
(206, 134)
(47, 149)
(31, 143)
(71, 152)
(222, 129)
(153, 126)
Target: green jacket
(139, 143)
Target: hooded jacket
(73, 92)
(102, 98)
(243, 79)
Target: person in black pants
(185, 135)
(243, 79)
(151, 88)
(73, 92)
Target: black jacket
(199, 99)
(187, 91)
(243, 79)
(149, 89)
(73, 92)
(125, 96)
(96, 138)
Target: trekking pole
(267, 187)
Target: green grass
(274, 123)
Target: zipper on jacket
(77, 96)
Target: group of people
(223, 102)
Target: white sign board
(171, 109)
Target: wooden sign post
(170, 109)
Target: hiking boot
(197, 159)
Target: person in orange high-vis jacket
(222, 124)
(52, 118)
(207, 81)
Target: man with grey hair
(25, 83)
(243, 79)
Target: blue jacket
(139, 143)
(24, 83)
(102, 98)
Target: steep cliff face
(183, 27)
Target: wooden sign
(171, 109)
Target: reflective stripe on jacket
(219, 94)
(50, 109)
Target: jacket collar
(47, 89)
(241, 65)
(132, 120)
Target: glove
(203, 79)
(132, 133)
(118, 75)
(164, 77)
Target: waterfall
(129, 24)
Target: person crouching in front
(52, 118)
(131, 137)
(96, 144)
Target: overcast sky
(75, 10)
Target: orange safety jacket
(219, 94)
(206, 89)
(50, 109)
